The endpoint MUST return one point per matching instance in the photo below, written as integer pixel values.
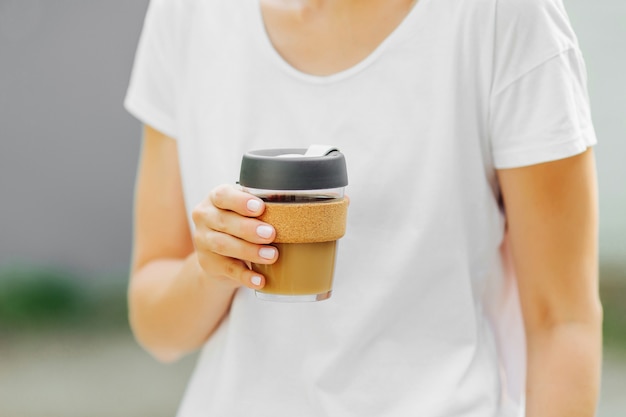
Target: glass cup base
(285, 298)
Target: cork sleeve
(307, 222)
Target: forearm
(563, 370)
(174, 307)
(552, 218)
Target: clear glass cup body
(296, 196)
(303, 271)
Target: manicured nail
(255, 280)
(267, 253)
(264, 231)
(253, 205)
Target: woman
(467, 281)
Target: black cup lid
(291, 169)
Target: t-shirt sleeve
(151, 96)
(539, 109)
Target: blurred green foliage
(33, 297)
(37, 295)
(613, 296)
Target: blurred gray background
(68, 149)
(68, 154)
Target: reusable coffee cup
(303, 191)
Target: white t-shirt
(424, 319)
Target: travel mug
(303, 191)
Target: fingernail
(264, 231)
(255, 280)
(253, 205)
(267, 253)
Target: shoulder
(528, 7)
(536, 19)
(172, 8)
(527, 34)
(511, 9)
(171, 21)
(183, 13)
(525, 6)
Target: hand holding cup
(228, 237)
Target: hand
(228, 237)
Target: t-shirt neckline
(404, 28)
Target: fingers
(232, 247)
(234, 224)
(227, 236)
(227, 197)
(232, 211)
(230, 271)
(225, 257)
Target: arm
(178, 294)
(552, 216)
